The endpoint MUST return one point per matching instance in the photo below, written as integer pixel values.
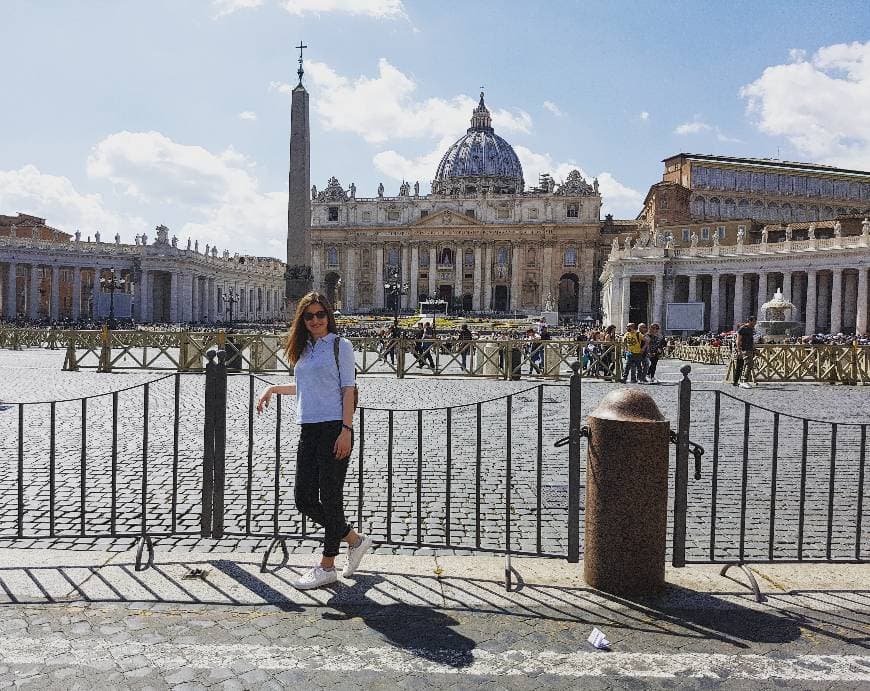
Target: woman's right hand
(263, 403)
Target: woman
(324, 391)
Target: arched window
(469, 257)
(423, 260)
(713, 210)
(730, 208)
(786, 213)
(772, 212)
(698, 207)
(570, 257)
(758, 211)
(392, 256)
(445, 257)
(531, 257)
(502, 256)
(743, 208)
(332, 256)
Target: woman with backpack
(325, 393)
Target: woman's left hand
(342, 445)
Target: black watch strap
(347, 427)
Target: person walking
(325, 400)
(654, 351)
(465, 337)
(643, 332)
(745, 354)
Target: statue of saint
(97, 236)
(189, 244)
(615, 245)
(352, 191)
(417, 188)
(313, 192)
(595, 185)
(136, 239)
(694, 239)
(175, 241)
(196, 246)
(764, 235)
(865, 228)
(144, 239)
(838, 230)
(741, 236)
(381, 189)
(811, 232)
(13, 231)
(117, 238)
(716, 239)
(207, 248)
(788, 233)
(551, 185)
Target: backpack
(335, 346)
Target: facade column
(625, 303)
(693, 288)
(211, 299)
(174, 284)
(714, 303)
(379, 276)
(836, 301)
(658, 298)
(11, 287)
(458, 271)
(486, 298)
(476, 298)
(812, 304)
(195, 296)
(786, 285)
(33, 293)
(762, 295)
(317, 266)
(547, 277)
(738, 299)
(413, 273)
(55, 293)
(349, 283)
(515, 279)
(861, 302)
(77, 293)
(433, 271)
(187, 298)
(404, 257)
(850, 299)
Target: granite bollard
(626, 495)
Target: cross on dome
(480, 119)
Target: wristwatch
(347, 427)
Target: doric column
(714, 302)
(762, 294)
(413, 273)
(458, 271)
(693, 288)
(379, 276)
(812, 304)
(77, 293)
(850, 300)
(625, 302)
(786, 285)
(211, 298)
(658, 298)
(33, 294)
(836, 300)
(187, 298)
(349, 284)
(476, 297)
(861, 302)
(486, 298)
(515, 278)
(174, 285)
(11, 287)
(433, 268)
(738, 300)
(547, 275)
(195, 298)
(406, 273)
(55, 293)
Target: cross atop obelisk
(300, 71)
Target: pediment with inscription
(447, 218)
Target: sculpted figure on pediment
(838, 230)
(380, 189)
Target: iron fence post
(574, 436)
(208, 446)
(681, 478)
(214, 445)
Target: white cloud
(384, 107)
(698, 126)
(644, 115)
(378, 9)
(247, 115)
(821, 104)
(219, 192)
(224, 7)
(56, 199)
(554, 109)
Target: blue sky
(118, 116)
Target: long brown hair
(299, 337)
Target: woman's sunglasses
(319, 314)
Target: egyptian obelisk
(297, 278)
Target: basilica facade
(480, 240)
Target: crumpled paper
(598, 640)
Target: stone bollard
(626, 495)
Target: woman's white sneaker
(355, 555)
(315, 578)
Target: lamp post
(394, 287)
(112, 283)
(230, 298)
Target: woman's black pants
(320, 482)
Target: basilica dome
(479, 161)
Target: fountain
(775, 326)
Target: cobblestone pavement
(391, 510)
(87, 620)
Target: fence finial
(575, 367)
(684, 370)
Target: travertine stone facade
(50, 279)
(480, 240)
